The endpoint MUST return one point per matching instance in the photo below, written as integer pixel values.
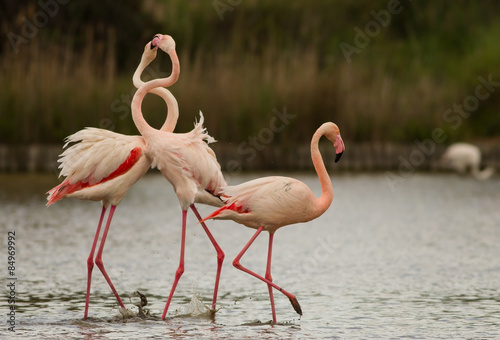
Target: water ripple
(418, 263)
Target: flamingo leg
(268, 274)
(236, 263)
(90, 261)
(220, 255)
(180, 269)
(98, 258)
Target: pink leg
(220, 255)
(90, 262)
(268, 274)
(180, 269)
(98, 258)
(236, 263)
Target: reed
(266, 56)
(51, 91)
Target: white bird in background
(270, 203)
(464, 156)
(103, 165)
(186, 161)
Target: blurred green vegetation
(242, 59)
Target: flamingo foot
(296, 305)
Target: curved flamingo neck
(166, 95)
(173, 109)
(324, 201)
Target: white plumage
(98, 152)
(462, 157)
(103, 165)
(95, 156)
(189, 164)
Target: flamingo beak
(339, 147)
(337, 156)
(156, 40)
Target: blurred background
(387, 72)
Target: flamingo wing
(207, 172)
(271, 202)
(98, 156)
(188, 154)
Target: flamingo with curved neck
(103, 165)
(270, 203)
(185, 160)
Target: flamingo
(188, 163)
(103, 165)
(461, 156)
(270, 203)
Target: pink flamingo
(270, 203)
(188, 163)
(103, 165)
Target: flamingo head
(149, 53)
(339, 147)
(155, 41)
(163, 41)
(333, 134)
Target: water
(422, 262)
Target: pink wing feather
(98, 156)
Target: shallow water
(422, 261)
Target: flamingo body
(273, 202)
(189, 164)
(102, 166)
(270, 202)
(464, 156)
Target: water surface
(422, 261)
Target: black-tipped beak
(155, 37)
(337, 157)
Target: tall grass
(51, 91)
(265, 56)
